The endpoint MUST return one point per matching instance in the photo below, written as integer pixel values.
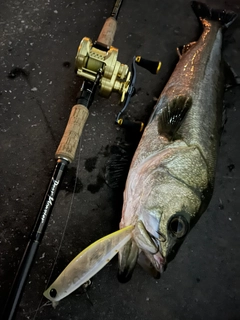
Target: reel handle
(69, 142)
(152, 66)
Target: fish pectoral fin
(118, 164)
(172, 116)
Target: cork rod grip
(68, 145)
(108, 31)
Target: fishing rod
(96, 63)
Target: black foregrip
(133, 125)
(152, 66)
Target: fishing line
(64, 231)
(46, 304)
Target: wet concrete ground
(42, 38)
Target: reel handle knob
(134, 125)
(152, 66)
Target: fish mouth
(158, 261)
(150, 245)
(154, 265)
(143, 248)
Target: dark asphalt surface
(39, 36)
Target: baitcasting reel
(94, 59)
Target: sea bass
(171, 178)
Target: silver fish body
(171, 178)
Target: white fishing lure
(87, 263)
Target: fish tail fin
(127, 259)
(202, 11)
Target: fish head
(165, 209)
(165, 218)
(160, 240)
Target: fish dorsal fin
(172, 115)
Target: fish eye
(178, 226)
(53, 293)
